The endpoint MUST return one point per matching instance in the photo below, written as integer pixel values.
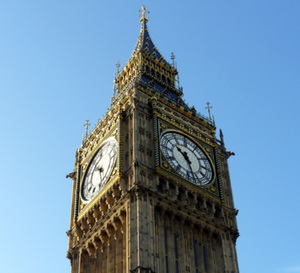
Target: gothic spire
(145, 43)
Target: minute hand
(186, 157)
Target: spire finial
(86, 125)
(116, 75)
(118, 67)
(173, 58)
(222, 138)
(143, 13)
(208, 108)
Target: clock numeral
(203, 167)
(191, 176)
(170, 158)
(170, 150)
(177, 168)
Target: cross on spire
(86, 125)
(208, 108)
(143, 13)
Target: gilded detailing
(84, 207)
(212, 190)
(106, 124)
(95, 231)
(159, 70)
(184, 120)
(88, 151)
(96, 211)
(103, 223)
(208, 150)
(146, 62)
(153, 68)
(201, 134)
(129, 72)
(145, 203)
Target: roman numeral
(177, 168)
(170, 158)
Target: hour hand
(100, 169)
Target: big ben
(151, 186)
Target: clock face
(99, 169)
(186, 158)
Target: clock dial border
(93, 163)
(185, 171)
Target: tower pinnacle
(86, 125)
(143, 13)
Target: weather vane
(143, 13)
(86, 125)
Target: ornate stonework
(147, 217)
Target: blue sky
(57, 69)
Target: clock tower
(151, 187)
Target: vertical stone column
(80, 262)
(132, 233)
(151, 233)
(159, 248)
(234, 257)
(226, 253)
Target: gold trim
(91, 203)
(88, 163)
(209, 157)
(92, 148)
(173, 123)
(204, 149)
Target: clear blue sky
(57, 63)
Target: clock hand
(186, 157)
(189, 163)
(100, 169)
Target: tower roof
(148, 71)
(145, 43)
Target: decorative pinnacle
(222, 138)
(208, 108)
(116, 75)
(173, 58)
(118, 67)
(86, 125)
(143, 13)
